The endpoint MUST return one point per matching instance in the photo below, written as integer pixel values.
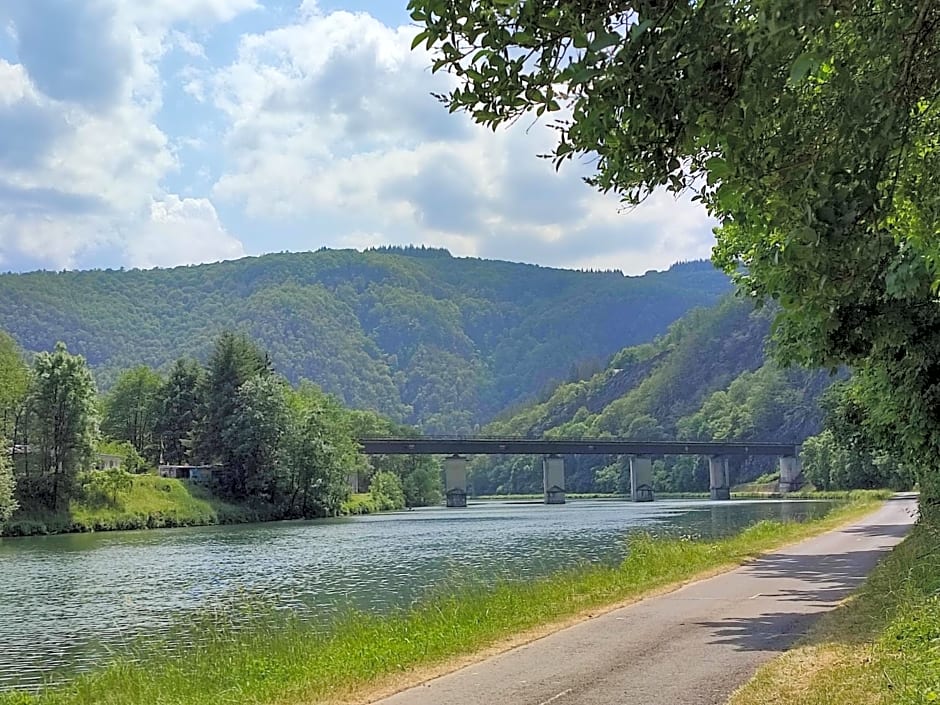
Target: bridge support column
(455, 481)
(641, 478)
(791, 474)
(553, 478)
(719, 484)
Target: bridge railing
(521, 445)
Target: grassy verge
(149, 502)
(882, 646)
(287, 662)
(152, 502)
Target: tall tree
(8, 503)
(320, 454)
(64, 418)
(254, 437)
(179, 406)
(131, 410)
(808, 129)
(234, 361)
(14, 384)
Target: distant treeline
(436, 341)
(284, 451)
(708, 378)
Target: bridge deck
(579, 446)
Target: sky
(156, 133)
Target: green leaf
(717, 167)
(603, 41)
(638, 29)
(801, 68)
(421, 36)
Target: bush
(387, 492)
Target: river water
(67, 602)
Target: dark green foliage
(180, 404)
(234, 361)
(8, 501)
(320, 454)
(14, 383)
(420, 475)
(63, 420)
(253, 438)
(847, 454)
(442, 342)
(808, 129)
(131, 410)
(706, 379)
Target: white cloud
(82, 156)
(165, 13)
(53, 243)
(181, 231)
(332, 117)
(327, 119)
(187, 44)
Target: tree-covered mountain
(708, 378)
(427, 338)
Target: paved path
(694, 645)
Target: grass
(152, 502)
(149, 502)
(881, 647)
(280, 660)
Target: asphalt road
(694, 645)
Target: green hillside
(706, 379)
(427, 338)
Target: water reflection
(67, 601)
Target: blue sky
(168, 132)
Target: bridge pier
(641, 478)
(455, 480)
(791, 473)
(719, 481)
(553, 479)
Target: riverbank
(837, 495)
(297, 663)
(882, 646)
(151, 502)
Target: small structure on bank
(108, 461)
(199, 474)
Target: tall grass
(150, 502)
(276, 658)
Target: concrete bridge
(553, 466)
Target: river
(66, 602)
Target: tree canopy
(809, 129)
(422, 337)
(707, 379)
(63, 403)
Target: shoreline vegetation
(839, 495)
(152, 502)
(289, 662)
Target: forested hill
(707, 379)
(420, 335)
